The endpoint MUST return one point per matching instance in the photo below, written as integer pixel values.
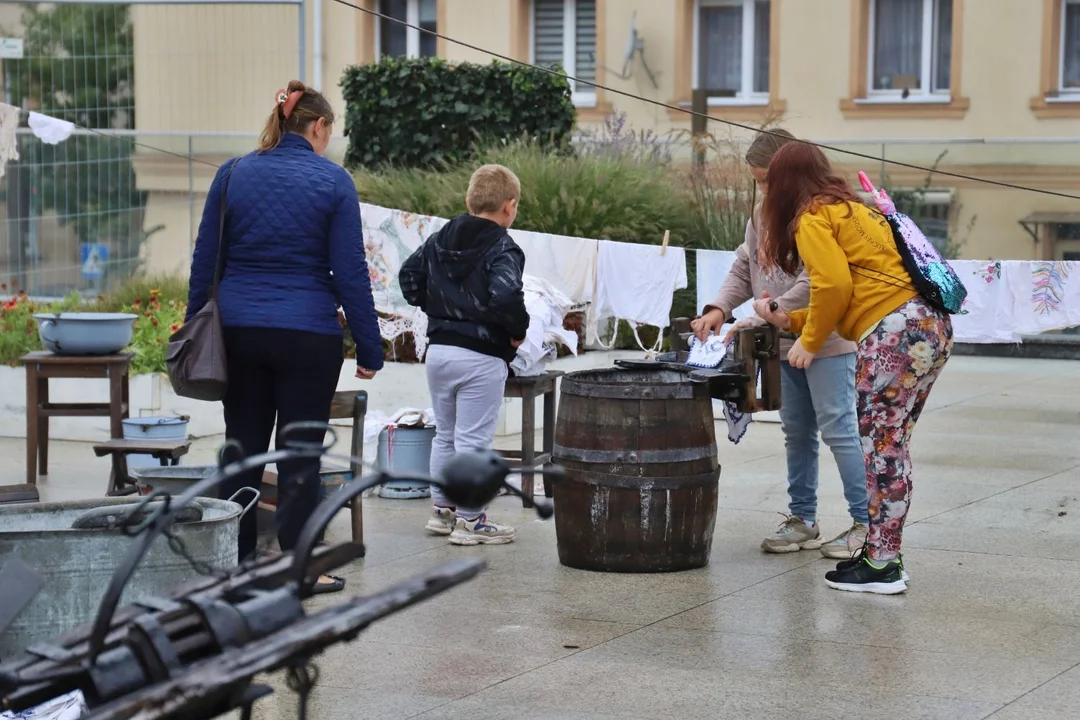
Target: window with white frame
(1070, 47)
(564, 33)
(731, 48)
(397, 40)
(911, 48)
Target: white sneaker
(845, 545)
(441, 521)
(481, 531)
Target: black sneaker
(864, 577)
(845, 565)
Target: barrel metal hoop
(683, 391)
(635, 482)
(634, 457)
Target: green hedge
(425, 112)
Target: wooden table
(528, 389)
(43, 366)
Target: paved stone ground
(990, 626)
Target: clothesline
(627, 282)
(48, 129)
(1007, 299)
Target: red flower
(154, 321)
(174, 327)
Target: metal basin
(85, 333)
(77, 565)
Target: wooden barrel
(642, 476)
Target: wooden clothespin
(663, 245)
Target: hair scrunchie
(288, 101)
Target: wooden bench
(167, 452)
(528, 389)
(347, 404)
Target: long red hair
(800, 179)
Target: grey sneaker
(792, 536)
(481, 531)
(441, 521)
(846, 544)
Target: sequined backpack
(930, 273)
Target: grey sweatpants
(466, 394)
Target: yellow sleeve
(797, 319)
(830, 280)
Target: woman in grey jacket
(819, 398)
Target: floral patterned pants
(897, 365)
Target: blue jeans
(822, 397)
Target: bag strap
(219, 266)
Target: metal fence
(77, 215)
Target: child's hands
(516, 343)
(364, 374)
(766, 310)
(708, 323)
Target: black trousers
(278, 377)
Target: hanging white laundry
(50, 130)
(1072, 294)
(9, 140)
(636, 283)
(568, 263)
(988, 307)
(713, 267)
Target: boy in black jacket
(467, 279)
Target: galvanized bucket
(406, 450)
(77, 565)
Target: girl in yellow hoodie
(859, 289)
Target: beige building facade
(995, 84)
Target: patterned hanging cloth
(9, 141)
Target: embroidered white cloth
(71, 706)
(50, 130)
(9, 140)
(570, 265)
(709, 355)
(988, 306)
(547, 308)
(1038, 295)
(1006, 298)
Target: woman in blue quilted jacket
(294, 252)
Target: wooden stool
(528, 389)
(40, 368)
(346, 405)
(18, 494)
(166, 452)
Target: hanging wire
(639, 98)
(706, 116)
